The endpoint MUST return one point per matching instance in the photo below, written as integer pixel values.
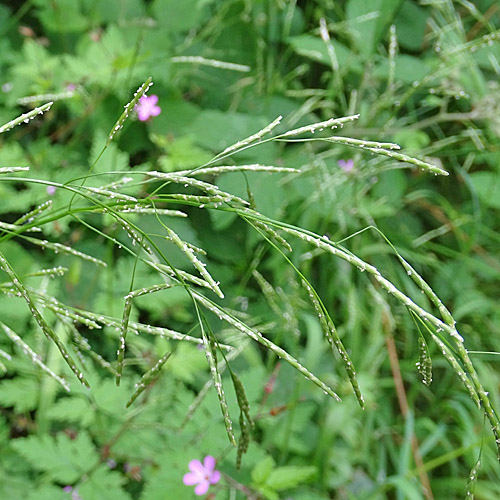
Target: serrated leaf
(47, 492)
(103, 480)
(21, 393)
(72, 409)
(63, 459)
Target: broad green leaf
(368, 21)
(408, 69)
(215, 130)
(283, 478)
(391, 186)
(487, 186)
(411, 22)
(411, 140)
(314, 48)
(262, 471)
(62, 16)
(177, 16)
(107, 12)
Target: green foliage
(231, 260)
(64, 459)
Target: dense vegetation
(209, 271)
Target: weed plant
(270, 275)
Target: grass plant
(306, 301)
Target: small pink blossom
(146, 107)
(73, 491)
(346, 166)
(51, 190)
(203, 475)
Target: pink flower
(146, 107)
(51, 190)
(346, 166)
(73, 491)
(202, 475)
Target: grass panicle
(15, 228)
(32, 214)
(245, 420)
(221, 367)
(333, 338)
(472, 480)
(124, 326)
(11, 170)
(200, 266)
(222, 169)
(60, 248)
(208, 188)
(273, 235)
(251, 139)
(134, 234)
(148, 378)
(83, 344)
(211, 355)
(332, 123)
(214, 63)
(25, 117)
(47, 330)
(34, 357)
(258, 337)
(128, 109)
(435, 169)
(169, 271)
(139, 209)
(110, 194)
(424, 364)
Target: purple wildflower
(51, 190)
(346, 166)
(146, 107)
(203, 475)
(73, 491)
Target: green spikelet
(246, 422)
(211, 355)
(273, 235)
(25, 118)
(471, 483)
(149, 377)
(333, 338)
(47, 205)
(46, 329)
(128, 109)
(244, 440)
(424, 364)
